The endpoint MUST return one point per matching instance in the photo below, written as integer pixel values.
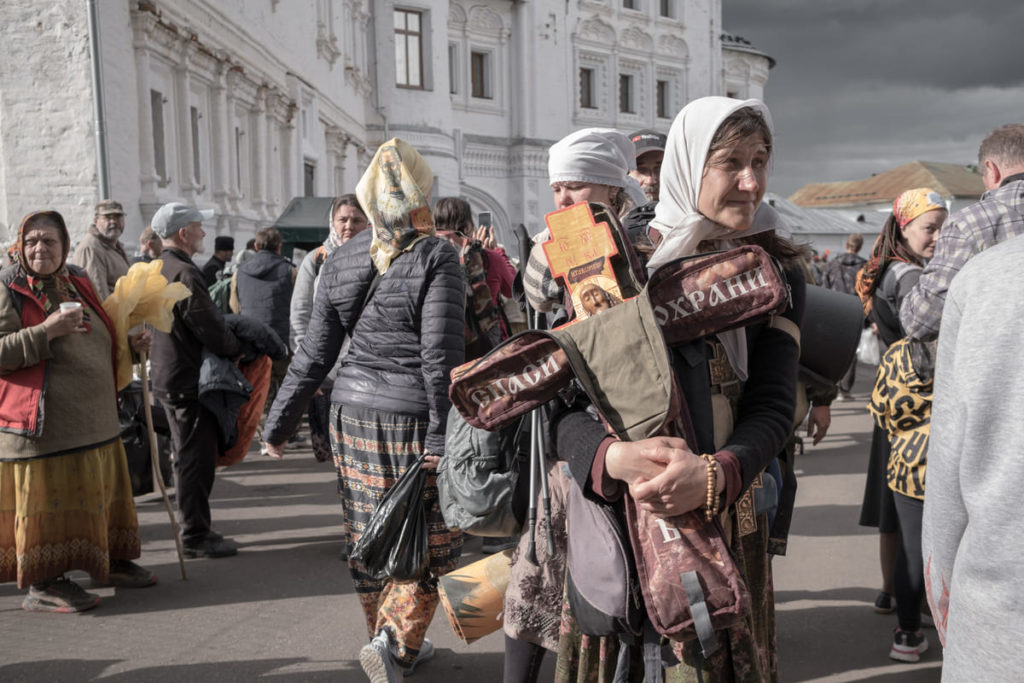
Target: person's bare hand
(431, 462)
(60, 323)
(275, 450)
(142, 342)
(818, 420)
(682, 484)
(485, 235)
(626, 461)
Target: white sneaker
(377, 661)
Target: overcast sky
(862, 86)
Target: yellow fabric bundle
(141, 296)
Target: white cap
(170, 218)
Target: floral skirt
(66, 512)
(533, 599)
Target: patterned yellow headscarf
(890, 246)
(913, 203)
(395, 191)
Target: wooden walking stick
(154, 457)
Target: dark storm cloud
(951, 44)
(862, 87)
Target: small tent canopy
(304, 223)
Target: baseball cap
(648, 141)
(108, 207)
(170, 218)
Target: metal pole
(97, 99)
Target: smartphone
(484, 219)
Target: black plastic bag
(394, 543)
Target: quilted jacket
(405, 339)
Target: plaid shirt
(971, 230)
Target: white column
(183, 124)
(220, 138)
(147, 164)
(260, 157)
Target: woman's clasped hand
(664, 476)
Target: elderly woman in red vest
(65, 494)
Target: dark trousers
(195, 442)
(522, 661)
(908, 579)
(847, 380)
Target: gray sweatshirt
(973, 533)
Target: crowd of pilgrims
(372, 324)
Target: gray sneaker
(59, 595)
(378, 662)
(426, 653)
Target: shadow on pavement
(855, 638)
(829, 520)
(447, 666)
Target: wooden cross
(579, 252)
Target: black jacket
(211, 269)
(198, 324)
(265, 290)
(404, 342)
(840, 273)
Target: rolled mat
(473, 596)
(829, 335)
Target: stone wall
(47, 153)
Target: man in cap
(176, 358)
(100, 252)
(223, 250)
(650, 150)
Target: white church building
(240, 105)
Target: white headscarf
(596, 155)
(677, 218)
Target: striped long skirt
(371, 451)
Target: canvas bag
(690, 581)
(688, 299)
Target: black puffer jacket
(405, 342)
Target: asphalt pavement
(284, 609)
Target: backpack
(478, 478)
(220, 292)
(483, 332)
(604, 595)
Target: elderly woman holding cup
(65, 494)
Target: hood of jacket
(848, 259)
(263, 265)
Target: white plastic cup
(70, 306)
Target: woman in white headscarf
(740, 389)
(589, 165)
